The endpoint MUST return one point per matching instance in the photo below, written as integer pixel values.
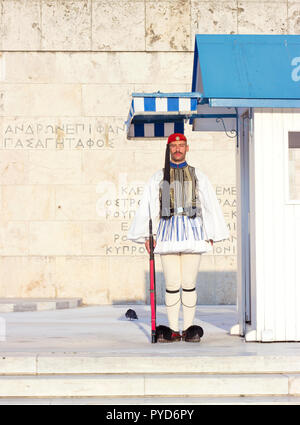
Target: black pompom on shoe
(131, 314)
(192, 334)
(166, 334)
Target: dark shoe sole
(195, 339)
(163, 340)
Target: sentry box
(249, 87)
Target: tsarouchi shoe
(192, 334)
(166, 334)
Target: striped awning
(157, 115)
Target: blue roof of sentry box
(247, 67)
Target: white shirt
(212, 227)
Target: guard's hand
(147, 245)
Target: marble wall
(70, 180)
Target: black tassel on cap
(165, 207)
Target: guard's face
(178, 150)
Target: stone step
(150, 385)
(153, 401)
(39, 364)
(8, 305)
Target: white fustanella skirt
(181, 233)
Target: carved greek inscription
(50, 135)
(226, 196)
(122, 209)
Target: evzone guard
(187, 220)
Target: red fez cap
(176, 136)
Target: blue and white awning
(157, 115)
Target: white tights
(180, 270)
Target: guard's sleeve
(213, 218)
(139, 228)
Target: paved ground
(104, 331)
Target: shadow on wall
(213, 288)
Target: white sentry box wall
(272, 299)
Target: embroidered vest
(183, 199)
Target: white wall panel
(296, 257)
(240, 294)
(277, 238)
(258, 249)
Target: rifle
(152, 285)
